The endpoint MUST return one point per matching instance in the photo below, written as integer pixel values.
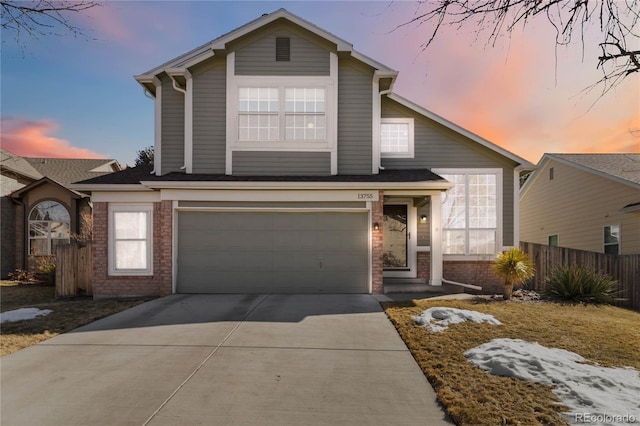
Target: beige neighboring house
(583, 201)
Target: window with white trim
(49, 223)
(396, 137)
(282, 113)
(471, 212)
(130, 239)
(612, 239)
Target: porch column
(436, 240)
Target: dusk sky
(76, 97)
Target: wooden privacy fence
(625, 268)
(73, 270)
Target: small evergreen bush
(581, 285)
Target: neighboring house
(583, 201)
(39, 211)
(284, 163)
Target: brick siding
(376, 245)
(424, 265)
(160, 283)
(473, 272)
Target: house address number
(365, 196)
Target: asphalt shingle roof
(135, 175)
(68, 170)
(622, 166)
(18, 165)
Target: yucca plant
(514, 267)
(578, 284)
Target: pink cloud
(31, 138)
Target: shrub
(581, 285)
(47, 269)
(22, 276)
(514, 267)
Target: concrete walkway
(222, 360)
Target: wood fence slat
(625, 269)
(73, 270)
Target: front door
(396, 255)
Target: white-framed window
(612, 239)
(49, 227)
(130, 239)
(472, 211)
(553, 240)
(396, 137)
(282, 113)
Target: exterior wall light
(423, 218)
(376, 226)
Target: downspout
(188, 117)
(382, 93)
(184, 92)
(149, 95)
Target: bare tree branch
(617, 20)
(42, 18)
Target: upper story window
(471, 212)
(396, 137)
(48, 228)
(612, 239)
(262, 118)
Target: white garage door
(268, 252)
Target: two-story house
(284, 163)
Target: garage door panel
(232, 260)
(197, 221)
(208, 239)
(273, 252)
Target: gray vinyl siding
(436, 146)
(354, 118)
(258, 56)
(274, 163)
(172, 144)
(209, 117)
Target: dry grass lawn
(606, 335)
(67, 314)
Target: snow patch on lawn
(602, 392)
(443, 317)
(23, 314)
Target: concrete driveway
(223, 360)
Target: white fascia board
(140, 196)
(461, 130)
(417, 186)
(220, 43)
(88, 187)
(144, 79)
(534, 176)
(380, 67)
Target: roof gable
(219, 45)
(461, 131)
(621, 168)
(45, 180)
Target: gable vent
(283, 49)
